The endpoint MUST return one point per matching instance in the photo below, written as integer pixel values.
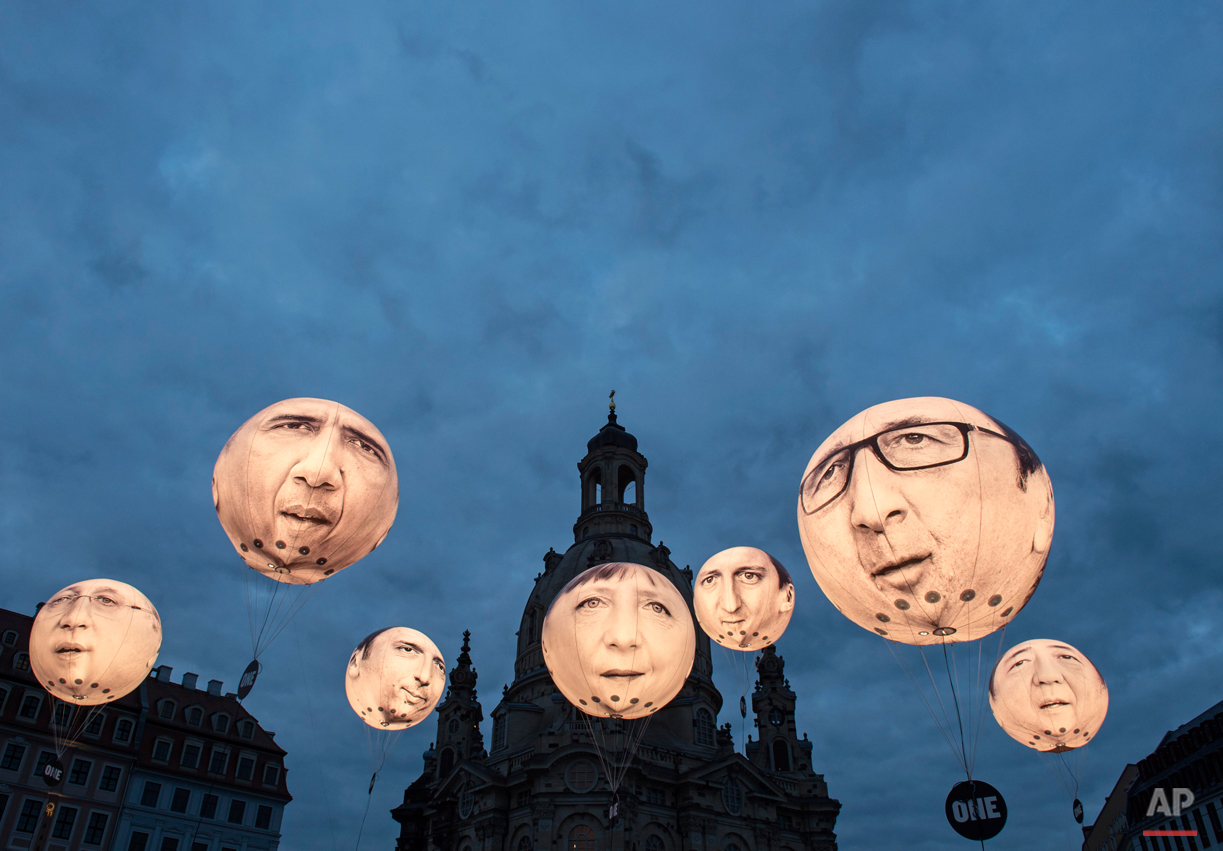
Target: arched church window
(531, 634)
(627, 482)
(594, 486)
(581, 838)
(581, 776)
(445, 762)
(704, 733)
(730, 846)
(499, 732)
(524, 844)
(732, 796)
(781, 755)
(467, 800)
(654, 842)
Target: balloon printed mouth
(889, 569)
(67, 650)
(306, 515)
(622, 675)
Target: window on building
(263, 817)
(94, 728)
(10, 637)
(27, 819)
(29, 706)
(138, 842)
(199, 846)
(63, 715)
(655, 796)
(704, 730)
(13, 753)
(581, 838)
(79, 775)
(1201, 826)
(208, 808)
(165, 710)
(220, 722)
(246, 768)
(1214, 820)
(152, 791)
(271, 775)
(654, 842)
(581, 776)
(781, 755)
(246, 729)
(237, 809)
(181, 798)
(195, 716)
(3, 697)
(64, 823)
(191, 756)
(161, 750)
(169, 843)
(730, 846)
(43, 758)
(96, 829)
(784, 821)
(732, 796)
(466, 801)
(499, 732)
(3, 804)
(123, 730)
(21, 662)
(218, 761)
(524, 798)
(453, 726)
(524, 844)
(445, 762)
(110, 778)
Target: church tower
(543, 783)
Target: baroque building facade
(169, 767)
(543, 781)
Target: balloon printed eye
(592, 603)
(749, 577)
(105, 601)
(709, 580)
(295, 425)
(658, 608)
(1017, 664)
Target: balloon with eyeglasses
(925, 520)
(94, 641)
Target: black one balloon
(975, 810)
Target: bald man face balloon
(926, 520)
(94, 641)
(304, 488)
(743, 598)
(1048, 695)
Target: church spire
(459, 716)
(613, 484)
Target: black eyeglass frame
(873, 443)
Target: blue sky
(469, 222)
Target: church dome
(612, 434)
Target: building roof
(1190, 724)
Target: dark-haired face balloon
(94, 641)
(1048, 696)
(926, 520)
(742, 599)
(304, 488)
(395, 678)
(619, 640)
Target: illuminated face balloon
(305, 488)
(926, 520)
(618, 641)
(395, 678)
(1048, 695)
(743, 598)
(94, 641)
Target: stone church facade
(542, 784)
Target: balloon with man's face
(618, 641)
(304, 488)
(1047, 695)
(743, 598)
(925, 520)
(394, 678)
(94, 641)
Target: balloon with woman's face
(618, 641)
(304, 488)
(925, 521)
(395, 678)
(1047, 695)
(743, 598)
(94, 641)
